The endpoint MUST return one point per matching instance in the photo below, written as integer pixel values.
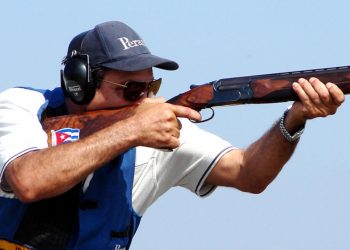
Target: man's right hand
(155, 123)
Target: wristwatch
(285, 132)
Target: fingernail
(312, 79)
(329, 85)
(302, 80)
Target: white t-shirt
(156, 171)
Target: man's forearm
(52, 171)
(264, 159)
(252, 169)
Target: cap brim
(141, 62)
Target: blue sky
(307, 206)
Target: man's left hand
(316, 100)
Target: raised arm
(52, 171)
(252, 169)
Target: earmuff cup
(76, 79)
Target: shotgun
(256, 89)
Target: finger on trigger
(181, 111)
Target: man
(91, 193)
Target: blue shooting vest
(102, 217)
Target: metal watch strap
(285, 132)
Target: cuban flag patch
(64, 135)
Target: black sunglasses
(134, 90)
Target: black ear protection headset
(76, 75)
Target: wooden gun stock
(269, 88)
(88, 123)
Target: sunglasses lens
(135, 90)
(154, 87)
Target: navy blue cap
(115, 45)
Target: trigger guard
(207, 119)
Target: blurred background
(307, 206)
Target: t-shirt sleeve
(20, 128)
(188, 166)
(191, 163)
